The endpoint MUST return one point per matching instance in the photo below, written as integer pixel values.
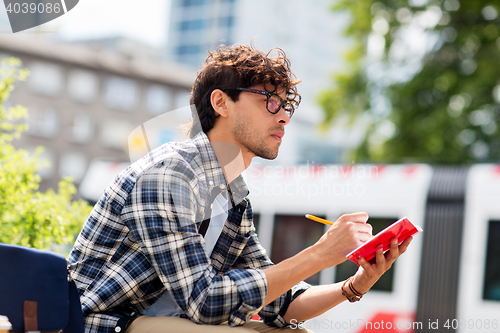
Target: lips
(278, 135)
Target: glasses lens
(274, 103)
(289, 109)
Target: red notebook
(402, 229)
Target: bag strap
(75, 320)
(30, 316)
(208, 211)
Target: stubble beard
(252, 142)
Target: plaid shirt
(142, 238)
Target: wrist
(326, 257)
(350, 292)
(358, 285)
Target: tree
(425, 76)
(27, 216)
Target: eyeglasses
(274, 102)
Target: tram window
(348, 268)
(492, 272)
(292, 234)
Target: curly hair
(238, 66)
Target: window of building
(293, 234)
(114, 134)
(82, 129)
(45, 78)
(166, 135)
(121, 93)
(348, 268)
(83, 85)
(46, 168)
(310, 151)
(192, 25)
(188, 49)
(182, 99)
(189, 3)
(226, 22)
(158, 99)
(491, 289)
(43, 121)
(73, 165)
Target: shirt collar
(213, 171)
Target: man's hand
(346, 234)
(318, 299)
(369, 272)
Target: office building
(84, 104)
(309, 32)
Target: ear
(219, 99)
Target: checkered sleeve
(165, 208)
(255, 256)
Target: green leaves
(434, 63)
(27, 216)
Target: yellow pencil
(318, 219)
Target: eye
(274, 103)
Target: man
(171, 243)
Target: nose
(282, 117)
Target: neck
(230, 158)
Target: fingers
(364, 231)
(380, 256)
(347, 233)
(365, 264)
(386, 259)
(361, 217)
(404, 245)
(393, 252)
(356, 222)
(397, 250)
(370, 272)
(378, 261)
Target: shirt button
(118, 329)
(211, 183)
(222, 186)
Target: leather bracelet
(356, 295)
(354, 291)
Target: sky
(145, 20)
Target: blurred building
(309, 32)
(83, 104)
(197, 26)
(125, 46)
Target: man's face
(254, 128)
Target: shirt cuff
(252, 291)
(287, 298)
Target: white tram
(447, 281)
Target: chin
(268, 156)
(265, 152)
